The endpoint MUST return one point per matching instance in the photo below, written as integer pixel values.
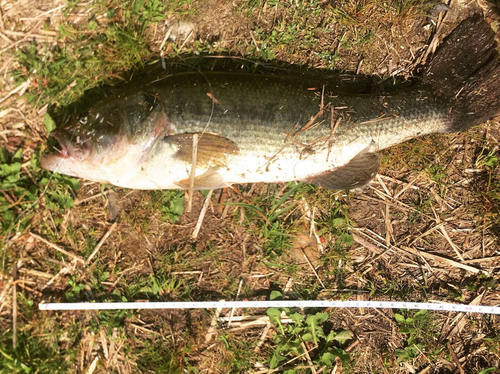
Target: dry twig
(202, 215)
(308, 358)
(213, 325)
(101, 242)
(57, 248)
(314, 271)
(417, 252)
(235, 299)
(455, 358)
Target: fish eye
(83, 119)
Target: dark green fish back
(268, 111)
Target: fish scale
(267, 156)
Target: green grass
(239, 355)
(155, 355)
(91, 53)
(41, 346)
(487, 186)
(26, 187)
(33, 355)
(300, 28)
(272, 216)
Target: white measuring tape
(445, 307)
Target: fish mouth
(51, 161)
(65, 149)
(59, 152)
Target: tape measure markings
(445, 307)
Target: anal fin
(355, 174)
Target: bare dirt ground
(426, 229)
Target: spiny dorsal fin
(355, 174)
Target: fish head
(110, 141)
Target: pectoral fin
(213, 149)
(209, 180)
(355, 174)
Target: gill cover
(108, 128)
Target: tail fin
(466, 70)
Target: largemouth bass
(210, 130)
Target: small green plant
(489, 160)
(95, 289)
(277, 233)
(291, 339)
(437, 173)
(417, 328)
(158, 286)
(488, 370)
(173, 205)
(336, 223)
(75, 288)
(240, 357)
